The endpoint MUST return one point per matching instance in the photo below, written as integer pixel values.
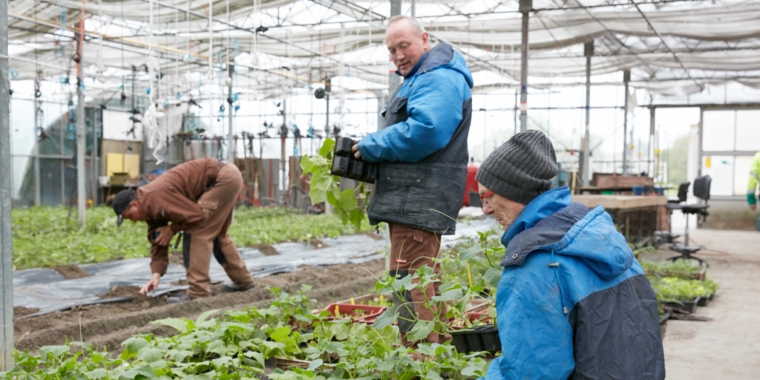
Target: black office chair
(701, 191)
(667, 237)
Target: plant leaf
(492, 276)
(432, 375)
(472, 371)
(450, 295)
(466, 254)
(421, 330)
(306, 164)
(96, 373)
(315, 364)
(386, 318)
(177, 323)
(150, 354)
(134, 344)
(56, 351)
(205, 316)
(327, 147)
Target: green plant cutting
(350, 204)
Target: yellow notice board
(123, 163)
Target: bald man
(422, 157)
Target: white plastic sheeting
(46, 290)
(713, 40)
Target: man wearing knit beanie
(572, 301)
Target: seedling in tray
(359, 313)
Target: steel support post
(394, 80)
(94, 157)
(231, 134)
(6, 255)
(81, 139)
(283, 156)
(37, 197)
(626, 79)
(525, 7)
(588, 49)
(650, 150)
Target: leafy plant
(349, 204)
(237, 345)
(679, 268)
(454, 294)
(45, 236)
(668, 289)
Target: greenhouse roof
(670, 47)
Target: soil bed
(111, 324)
(266, 249)
(71, 272)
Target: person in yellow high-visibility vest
(754, 178)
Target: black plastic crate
(686, 306)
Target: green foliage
(46, 236)
(350, 204)
(669, 289)
(237, 345)
(679, 268)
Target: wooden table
(619, 205)
(598, 190)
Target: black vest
(426, 195)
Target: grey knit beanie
(521, 169)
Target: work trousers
(411, 249)
(211, 236)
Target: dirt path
(110, 324)
(727, 346)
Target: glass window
(748, 130)
(721, 169)
(742, 165)
(718, 130)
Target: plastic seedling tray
(459, 341)
(346, 165)
(476, 315)
(478, 339)
(490, 337)
(686, 306)
(367, 312)
(703, 301)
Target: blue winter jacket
(422, 151)
(572, 301)
(436, 88)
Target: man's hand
(165, 235)
(753, 207)
(150, 285)
(355, 148)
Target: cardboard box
(119, 179)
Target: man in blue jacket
(422, 156)
(572, 301)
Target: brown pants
(211, 237)
(411, 249)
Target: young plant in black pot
(350, 204)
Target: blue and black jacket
(572, 301)
(422, 149)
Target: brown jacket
(173, 197)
